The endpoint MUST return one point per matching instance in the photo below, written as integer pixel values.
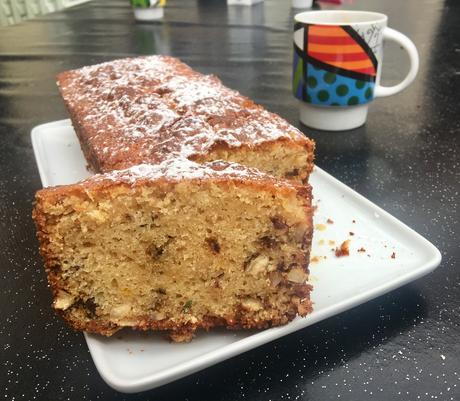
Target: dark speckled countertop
(401, 346)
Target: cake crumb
(351, 233)
(331, 242)
(353, 221)
(317, 259)
(321, 242)
(393, 255)
(344, 249)
(320, 227)
(330, 221)
(361, 249)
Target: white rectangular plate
(136, 361)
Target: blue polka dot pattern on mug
(333, 66)
(330, 89)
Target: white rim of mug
(374, 17)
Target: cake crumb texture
(210, 245)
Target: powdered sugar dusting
(177, 169)
(149, 109)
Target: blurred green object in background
(140, 3)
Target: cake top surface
(172, 170)
(147, 109)
(179, 169)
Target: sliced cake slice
(176, 247)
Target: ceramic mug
(338, 64)
(302, 3)
(148, 10)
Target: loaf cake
(177, 246)
(146, 109)
(200, 214)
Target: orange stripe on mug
(346, 49)
(325, 30)
(367, 71)
(352, 65)
(327, 57)
(331, 40)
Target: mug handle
(408, 45)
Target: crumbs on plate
(320, 227)
(317, 259)
(343, 250)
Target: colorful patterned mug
(338, 64)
